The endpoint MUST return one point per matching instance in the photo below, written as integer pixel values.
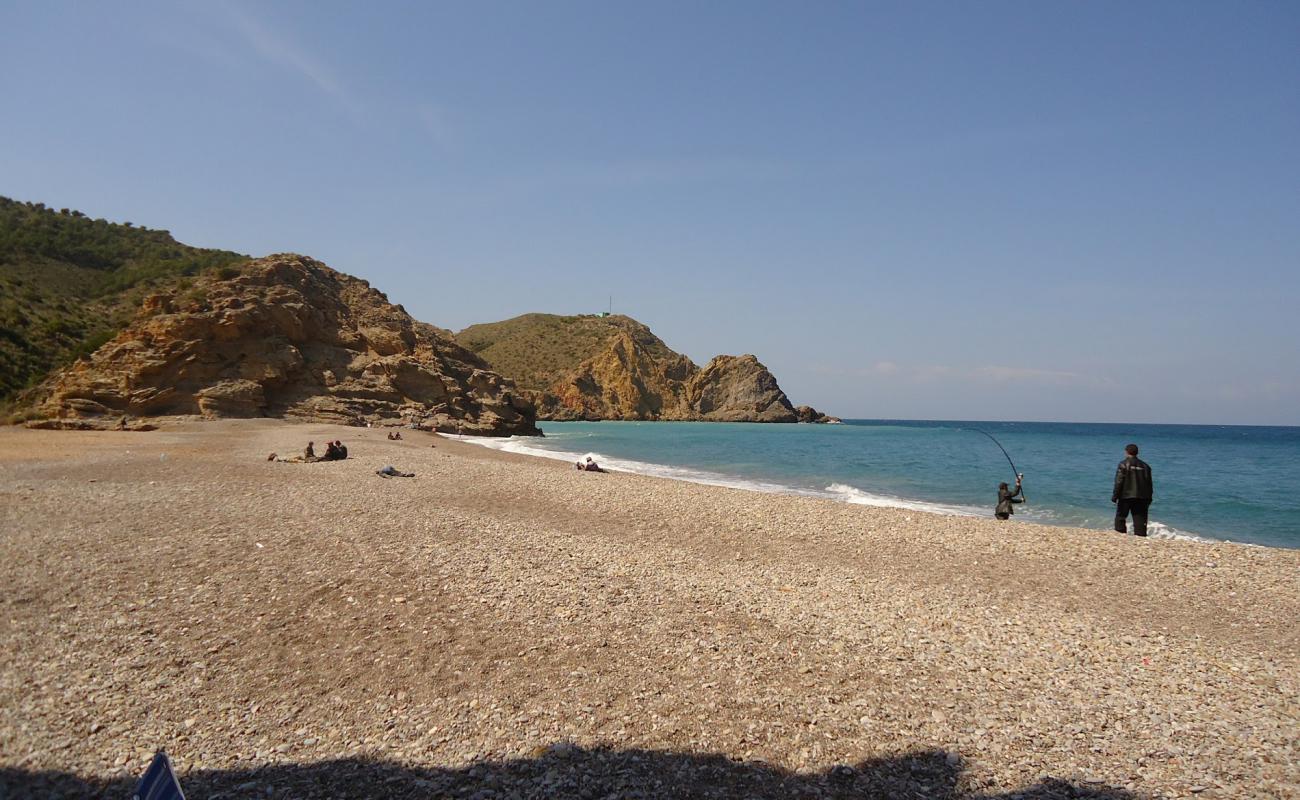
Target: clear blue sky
(1063, 211)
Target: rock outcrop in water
(615, 368)
(287, 337)
(810, 414)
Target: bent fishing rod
(1014, 471)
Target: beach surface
(503, 626)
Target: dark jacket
(1005, 498)
(1132, 480)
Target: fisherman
(1133, 492)
(1006, 497)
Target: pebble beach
(501, 626)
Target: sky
(995, 210)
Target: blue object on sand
(159, 781)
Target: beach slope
(502, 626)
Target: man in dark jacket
(1132, 492)
(1006, 497)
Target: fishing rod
(1014, 471)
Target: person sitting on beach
(309, 454)
(589, 466)
(390, 436)
(331, 452)
(1006, 497)
(342, 450)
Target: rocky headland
(614, 368)
(284, 336)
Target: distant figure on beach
(589, 465)
(335, 451)
(308, 456)
(1133, 492)
(343, 450)
(1007, 497)
(392, 472)
(395, 436)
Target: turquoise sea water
(1215, 482)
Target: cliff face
(288, 337)
(624, 381)
(738, 389)
(615, 368)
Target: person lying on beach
(392, 472)
(1006, 497)
(308, 456)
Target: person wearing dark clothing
(1133, 492)
(1006, 497)
(331, 452)
(342, 450)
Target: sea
(1212, 482)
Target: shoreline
(837, 492)
(502, 618)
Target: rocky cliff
(738, 389)
(613, 367)
(286, 337)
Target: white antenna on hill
(611, 304)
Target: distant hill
(614, 367)
(537, 349)
(69, 283)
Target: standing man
(1132, 492)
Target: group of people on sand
(395, 436)
(1132, 493)
(334, 451)
(588, 466)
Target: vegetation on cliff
(69, 283)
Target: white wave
(1159, 530)
(852, 494)
(526, 446)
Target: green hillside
(535, 349)
(69, 283)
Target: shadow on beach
(570, 772)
